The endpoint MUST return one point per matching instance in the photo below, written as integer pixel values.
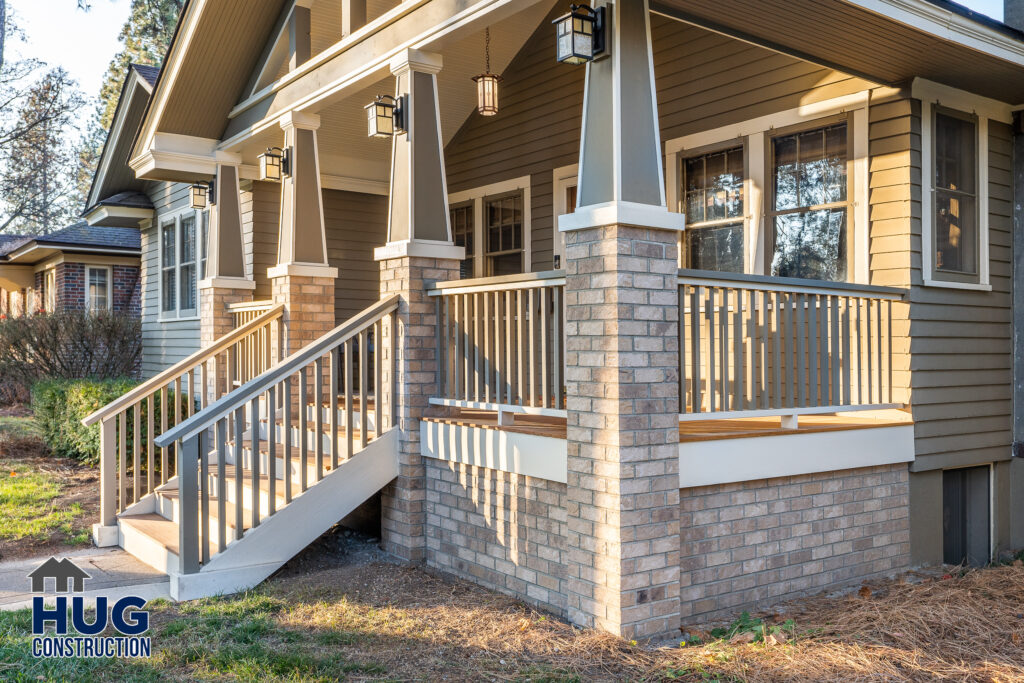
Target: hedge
(59, 406)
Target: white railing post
(105, 532)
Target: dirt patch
(78, 484)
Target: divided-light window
(713, 201)
(503, 229)
(182, 258)
(955, 240)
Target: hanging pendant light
(487, 83)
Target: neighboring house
(735, 317)
(80, 267)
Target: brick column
(622, 388)
(419, 252)
(402, 504)
(622, 355)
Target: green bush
(59, 406)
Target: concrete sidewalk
(114, 574)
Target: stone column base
(308, 307)
(403, 514)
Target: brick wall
(127, 290)
(504, 531)
(760, 542)
(70, 280)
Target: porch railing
(753, 345)
(131, 464)
(501, 343)
(254, 356)
(233, 422)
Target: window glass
(50, 290)
(204, 238)
(462, 234)
(187, 274)
(810, 211)
(503, 219)
(713, 201)
(98, 289)
(168, 285)
(956, 201)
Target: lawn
(380, 621)
(47, 503)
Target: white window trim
(751, 134)
(50, 289)
(477, 195)
(110, 285)
(931, 94)
(175, 315)
(562, 178)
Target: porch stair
(264, 470)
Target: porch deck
(689, 430)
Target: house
(62, 572)
(79, 267)
(720, 314)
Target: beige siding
(356, 223)
(163, 342)
(960, 341)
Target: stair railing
(349, 353)
(130, 466)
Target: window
(181, 258)
(97, 288)
(187, 269)
(809, 209)
(204, 239)
(493, 223)
(504, 232)
(463, 229)
(168, 271)
(50, 289)
(955, 197)
(713, 200)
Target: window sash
(98, 289)
(967, 250)
(503, 219)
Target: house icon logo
(75, 631)
(62, 572)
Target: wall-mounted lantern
(274, 164)
(203, 194)
(579, 34)
(385, 116)
(487, 83)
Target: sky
(59, 33)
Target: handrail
(262, 304)
(715, 278)
(277, 374)
(498, 283)
(176, 370)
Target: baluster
(378, 364)
(510, 355)
(531, 314)
(204, 506)
(801, 357)
(204, 384)
(487, 345)
(723, 353)
(711, 350)
(738, 363)
(335, 366)
(777, 303)
(457, 333)
(303, 426)
(136, 452)
(888, 348)
(318, 416)
(363, 411)
(556, 345)
(765, 332)
(349, 425)
(239, 473)
(835, 342)
(696, 339)
(520, 355)
(393, 388)
(858, 333)
(823, 347)
(286, 432)
(272, 450)
(467, 328)
(177, 400)
(844, 352)
(499, 366)
(544, 357)
(222, 488)
(254, 449)
(122, 460)
(752, 348)
(476, 347)
(812, 349)
(869, 346)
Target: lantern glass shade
(575, 35)
(487, 93)
(270, 166)
(199, 195)
(380, 118)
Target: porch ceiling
(931, 39)
(345, 149)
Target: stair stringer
(265, 548)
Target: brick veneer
(504, 531)
(127, 286)
(622, 391)
(763, 541)
(309, 308)
(70, 281)
(38, 296)
(402, 501)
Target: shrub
(60, 406)
(67, 345)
